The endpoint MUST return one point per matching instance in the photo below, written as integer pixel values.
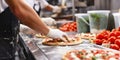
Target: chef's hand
(57, 9)
(49, 21)
(55, 33)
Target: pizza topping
(72, 41)
(40, 36)
(87, 36)
(73, 55)
(112, 58)
(92, 55)
(53, 40)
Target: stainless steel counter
(43, 52)
(36, 51)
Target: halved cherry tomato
(69, 27)
(114, 46)
(117, 41)
(98, 41)
(118, 37)
(112, 39)
(100, 36)
(112, 34)
(117, 33)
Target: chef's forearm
(27, 15)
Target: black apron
(39, 8)
(10, 40)
(9, 29)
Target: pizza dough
(40, 36)
(55, 42)
(87, 36)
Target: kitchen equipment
(116, 19)
(82, 22)
(98, 20)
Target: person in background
(39, 5)
(43, 4)
(12, 12)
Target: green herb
(97, 16)
(94, 58)
(81, 53)
(83, 57)
(98, 19)
(86, 18)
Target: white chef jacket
(3, 4)
(43, 3)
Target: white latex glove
(55, 33)
(49, 21)
(26, 30)
(56, 9)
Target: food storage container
(82, 22)
(116, 19)
(98, 20)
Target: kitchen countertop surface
(43, 52)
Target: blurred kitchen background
(82, 6)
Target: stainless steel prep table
(43, 52)
(38, 54)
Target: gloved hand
(26, 30)
(57, 9)
(55, 33)
(49, 21)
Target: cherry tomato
(106, 37)
(105, 41)
(98, 41)
(118, 28)
(69, 27)
(63, 29)
(112, 39)
(118, 37)
(114, 46)
(100, 36)
(117, 33)
(112, 34)
(117, 41)
(105, 32)
(113, 30)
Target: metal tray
(56, 52)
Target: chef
(38, 5)
(43, 4)
(12, 12)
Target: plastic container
(82, 20)
(98, 20)
(116, 19)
